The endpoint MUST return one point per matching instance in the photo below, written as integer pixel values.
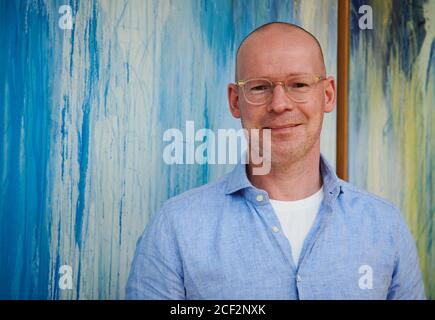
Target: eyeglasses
(259, 91)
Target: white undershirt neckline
(296, 218)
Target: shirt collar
(238, 179)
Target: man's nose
(280, 101)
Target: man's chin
(285, 155)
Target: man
(298, 232)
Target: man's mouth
(281, 127)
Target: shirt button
(259, 197)
(275, 229)
(298, 278)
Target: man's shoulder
(212, 192)
(366, 202)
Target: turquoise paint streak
(24, 151)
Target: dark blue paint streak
(431, 66)
(405, 35)
(83, 156)
(64, 133)
(55, 294)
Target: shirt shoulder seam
(366, 193)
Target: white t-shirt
(296, 218)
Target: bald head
(283, 34)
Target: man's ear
(330, 94)
(233, 100)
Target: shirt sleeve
(406, 281)
(156, 271)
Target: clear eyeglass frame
(295, 93)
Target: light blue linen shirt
(223, 240)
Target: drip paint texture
(82, 116)
(392, 115)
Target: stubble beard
(284, 155)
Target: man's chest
(253, 262)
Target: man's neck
(293, 181)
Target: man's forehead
(277, 66)
(266, 47)
(269, 59)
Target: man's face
(276, 56)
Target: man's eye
(260, 88)
(297, 85)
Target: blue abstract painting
(87, 90)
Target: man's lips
(275, 127)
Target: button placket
(271, 221)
